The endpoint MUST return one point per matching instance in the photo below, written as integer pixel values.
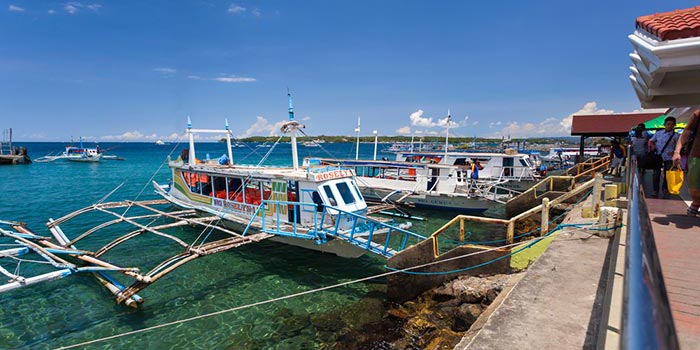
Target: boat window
(267, 190)
(204, 184)
(218, 187)
(329, 194)
(317, 200)
(358, 194)
(235, 189)
(345, 193)
(523, 163)
(252, 192)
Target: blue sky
(132, 70)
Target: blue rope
(512, 252)
(552, 221)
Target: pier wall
(404, 286)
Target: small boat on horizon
(75, 154)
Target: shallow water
(77, 309)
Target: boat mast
(375, 144)
(228, 143)
(295, 157)
(357, 147)
(191, 158)
(447, 133)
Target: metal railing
(354, 228)
(646, 313)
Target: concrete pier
(552, 306)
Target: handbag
(674, 180)
(652, 160)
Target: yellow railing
(510, 223)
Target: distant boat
(264, 145)
(310, 144)
(112, 157)
(160, 143)
(75, 154)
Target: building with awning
(665, 71)
(608, 125)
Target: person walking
(617, 153)
(664, 143)
(640, 144)
(689, 140)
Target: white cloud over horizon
(261, 127)
(549, 126)
(406, 130)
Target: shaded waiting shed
(607, 125)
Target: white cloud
(492, 124)
(133, 135)
(306, 118)
(223, 78)
(14, 8)
(475, 123)
(406, 130)
(443, 123)
(136, 135)
(417, 119)
(73, 7)
(226, 78)
(235, 9)
(165, 70)
(262, 127)
(256, 12)
(51, 12)
(549, 126)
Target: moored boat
(316, 207)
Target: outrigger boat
(313, 207)
(75, 154)
(425, 185)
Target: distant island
(416, 139)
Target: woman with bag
(664, 142)
(689, 142)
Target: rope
(263, 302)
(264, 158)
(530, 244)
(152, 176)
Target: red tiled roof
(608, 124)
(672, 25)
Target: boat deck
(677, 239)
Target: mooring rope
(289, 296)
(152, 176)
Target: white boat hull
(456, 203)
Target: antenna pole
(375, 144)
(447, 133)
(228, 143)
(357, 147)
(295, 156)
(191, 159)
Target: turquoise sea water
(76, 309)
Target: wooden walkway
(677, 239)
